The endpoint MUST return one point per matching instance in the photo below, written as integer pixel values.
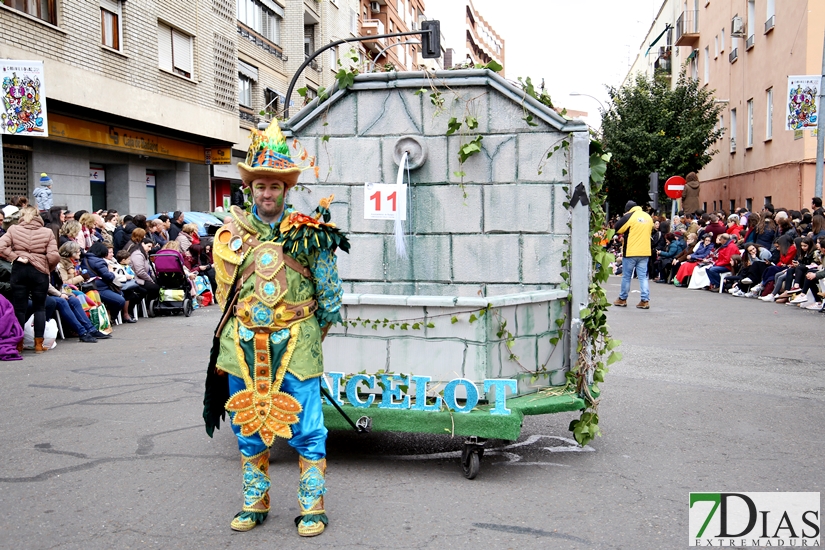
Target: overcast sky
(575, 45)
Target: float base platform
(478, 422)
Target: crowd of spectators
(91, 267)
(775, 255)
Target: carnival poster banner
(801, 111)
(24, 98)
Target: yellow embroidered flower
(268, 415)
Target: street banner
(801, 106)
(24, 98)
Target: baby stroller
(175, 287)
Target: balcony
(749, 43)
(687, 28)
(734, 55)
(770, 24)
(373, 27)
(663, 65)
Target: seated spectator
(733, 229)
(784, 226)
(786, 251)
(703, 251)
(751, 267)
(817, 227)
(814, 277)
(185, 239)
(678, 225)
(72, 314)
(69, 265)
(124, 280)
(156, 231)
(714, 227)
(71, 231)
(676, 263)
(95, 263)
(673, 247)
(144, 270)
(724, 260)
(88, 225)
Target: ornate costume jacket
(286, 290)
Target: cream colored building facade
(758, 160)
(188, 78)
(138, 95)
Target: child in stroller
(175, 282)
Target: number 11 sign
(383, 200)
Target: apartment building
(746, 50)
(656, 52)
(140, 96)
(390, 16)
(274, 38)
(468, 36)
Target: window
(770, 15)
(751, 21)
(704, 206)
(110, 11)
(272, 101)
(309, 39)
(732, 206)
(749, 205)
(706, 62)
(174, 51)
(42, 9)
(722, 40)
(733, 130)
(716, 46)
(768, 200)
(750, 122)
(245, 91)
(714, 206)
(262, 16)
(353, 22)
(769, 114)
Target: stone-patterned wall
(502, 232)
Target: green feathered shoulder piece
(302, 234)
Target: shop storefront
(98, 166)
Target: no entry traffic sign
(674, 186)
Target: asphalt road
(103, 445)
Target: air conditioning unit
(737, 27)
(375, 7)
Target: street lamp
(379, 54)
(592, 97)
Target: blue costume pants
(309, 435)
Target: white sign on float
(383, 200)
(23, 108)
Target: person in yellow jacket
(637, 227)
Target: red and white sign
(383, 200)
(674, 186)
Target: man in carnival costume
(279, 288)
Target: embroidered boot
(38, 345)
(256, 484)
(311, 490)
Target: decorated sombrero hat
(269, 155)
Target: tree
(651, 128)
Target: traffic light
(431, 39)
(654, 190)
